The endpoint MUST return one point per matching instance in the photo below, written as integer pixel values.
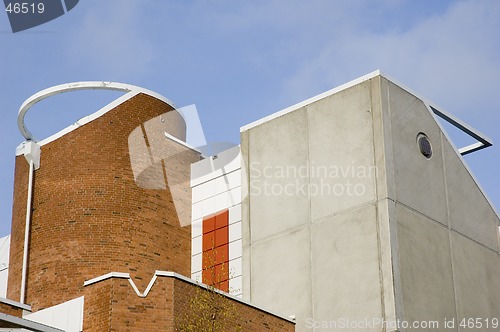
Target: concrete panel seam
(393, 228)
(479, 243)
(311, 256)
(443, 159)
(378, 136)
(441, 225)
(280, 234)
(420, 213)
(389, 150)
(396, 269)
(380, 261)
(345, 211)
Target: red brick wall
(240, 317)
(97, 306)
(18, 227)
(89, 215)
(113, 305)
(10, 310)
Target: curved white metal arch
(75, 86)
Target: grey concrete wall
(406, 245)
(315, 254)
(447, 251)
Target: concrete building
(382, 218)
(358, 212)
(350, 211)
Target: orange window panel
(222, 219)
(224, 286)
(208, 241)
(215, 256)
(208, 224)
(222, 254)
(217, 277)
(221, 236)
(222, 272)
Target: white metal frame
(75, 86)
(484, 141)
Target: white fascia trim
(471, 148)
(170, 274)
(107, 276)
(15, 304)
(89, 118)
(311, 100)
(131, 91)
(137, 289)
(176, 140)
(27, 324)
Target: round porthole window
(424, 144)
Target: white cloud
(451, 57)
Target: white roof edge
(312, 100)
(88, 118)
(131, 91)
(181, 142)
(26, 324)
(106, 276)
(15, 304)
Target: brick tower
(89, 215)
(101, 234)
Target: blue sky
(239, 61)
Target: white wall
(4, 264)
(216, 186)
(67, 316)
